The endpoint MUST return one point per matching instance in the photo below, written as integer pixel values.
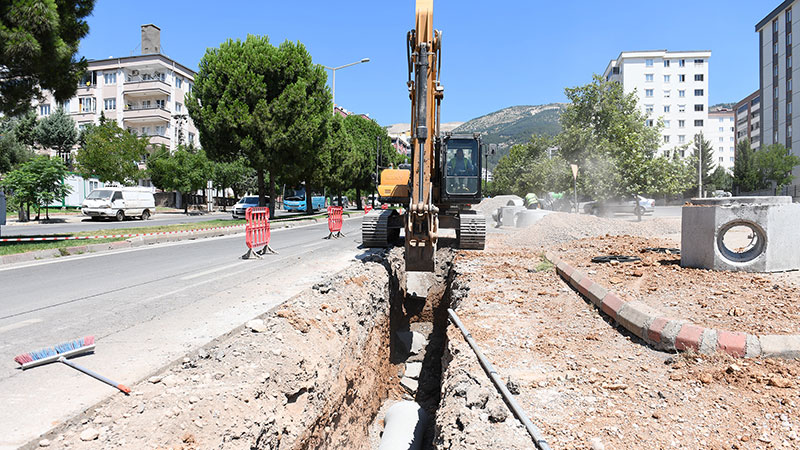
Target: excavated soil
(585, 383)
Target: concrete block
(564, 269)
(753, 346)
(689, 337)
(528, 217)
(596, 293)
(734, 344)
(772, 220)
(708, 341)
(611, 305)
(670, 333)
(584, 285)
(655, 329)
(507, 215)
(634, 317)
(781, 346)
(77, 250)
(575, 278)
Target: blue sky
(495, 53)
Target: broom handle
(95, 375)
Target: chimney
(151, 39)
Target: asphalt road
(146, 306)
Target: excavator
(444, 176)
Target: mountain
(514, 125)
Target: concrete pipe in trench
(404, 427)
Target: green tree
(236, 175)
(111, 153)
(57, 131)
(38, 182)
(186, 170)
(720, 179)
(746, 177)
(13, 150)
(702, 149)
(530, 168)
(38, 46)
(775, 164)
(605, 133)
(268, 104)
(338, 145)
(360, 160)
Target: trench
(373, 377)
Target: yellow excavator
(444, 177)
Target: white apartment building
(720, 131)
(143, 94)
(672, 87)
(776, 48)
(748, 120)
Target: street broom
(60, 353)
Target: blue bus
(297, 201)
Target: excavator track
(375, 228)
(472, 232)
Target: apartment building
(672, 87)
(748, 120)
(720, 131)
(143, 94)
(776, 48)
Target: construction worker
(460, 165)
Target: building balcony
(138, 87)
(159, 140)
(146, 114)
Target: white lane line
(20, 324)
(210, 271)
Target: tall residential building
(748, 120)
(143, 94)
(720, 132)
(776, 48)
(671, 86)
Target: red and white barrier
(257, 232)
(335, 221)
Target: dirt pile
(312, 373)
(489, 205)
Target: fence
(335, 221)
(791, 190)
(257, 232)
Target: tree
(57, 131)
(746, 177)
(268, 104)
(720, 179)
(337, 146)
(38, 182)
(360, 161)
(38, 46)
(13, 150)
(186, 170)
(702, 149)
(111, 153)
(530, 168)
(604, 132)
(235, 175)
(775, 164)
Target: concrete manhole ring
(753, 250)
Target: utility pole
(377, 169)
(698, 143)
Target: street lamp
(333, 83)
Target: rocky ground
(587, 384)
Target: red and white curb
(113, 236)
(667, 333)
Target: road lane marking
(21, 324)
(210, 271)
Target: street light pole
(333, 81)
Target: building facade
(672, 87)
(143, 94)
(720, 131)
(748, 120)
(776, 49)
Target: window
(731, 148)
(681, 78)
(666, 139)
(146, 131)
(146, 104)
(788, 107)
(44, 110)
(731, 139)
(789, 131)
(161, 130)
(178, 107)
(775, 48)
(698, 77)
(178, 82)
(681, 123)
(681, 108)
(698, 123)
(731, 158)
(721, 139)
(681, 138)
(110, 78)
(666, 124)
(789, 39)
(721, 119)
(666, 108)
(681, 93)
(698, 62)
(648, 62)
(789, 84)
(789, 15)
(775, 70)
(87, 104)
(648, 92)
(648, 109)
(110, 103)
(666, 78)
(788, 61)
(681, 63)
(698, 92)
(720, 159)
(776, 91)
(775, 114)
(160, 103)
(775, 26)
(648, 122)
(64, 105)
(189, 87)
(698, 108)
(191, 138)
(666, 63)
(648, 77)
(666, 93)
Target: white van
(119, 203)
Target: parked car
(345, 201)
(119, 203)
(636, 205)
(248, 201)
(720, 194)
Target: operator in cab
(460, 174)
(460, 166)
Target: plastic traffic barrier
(257, 232)
(335, 221)
(367, 209)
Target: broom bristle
(52, 351)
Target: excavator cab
(461, 169)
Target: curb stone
(665, 333)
